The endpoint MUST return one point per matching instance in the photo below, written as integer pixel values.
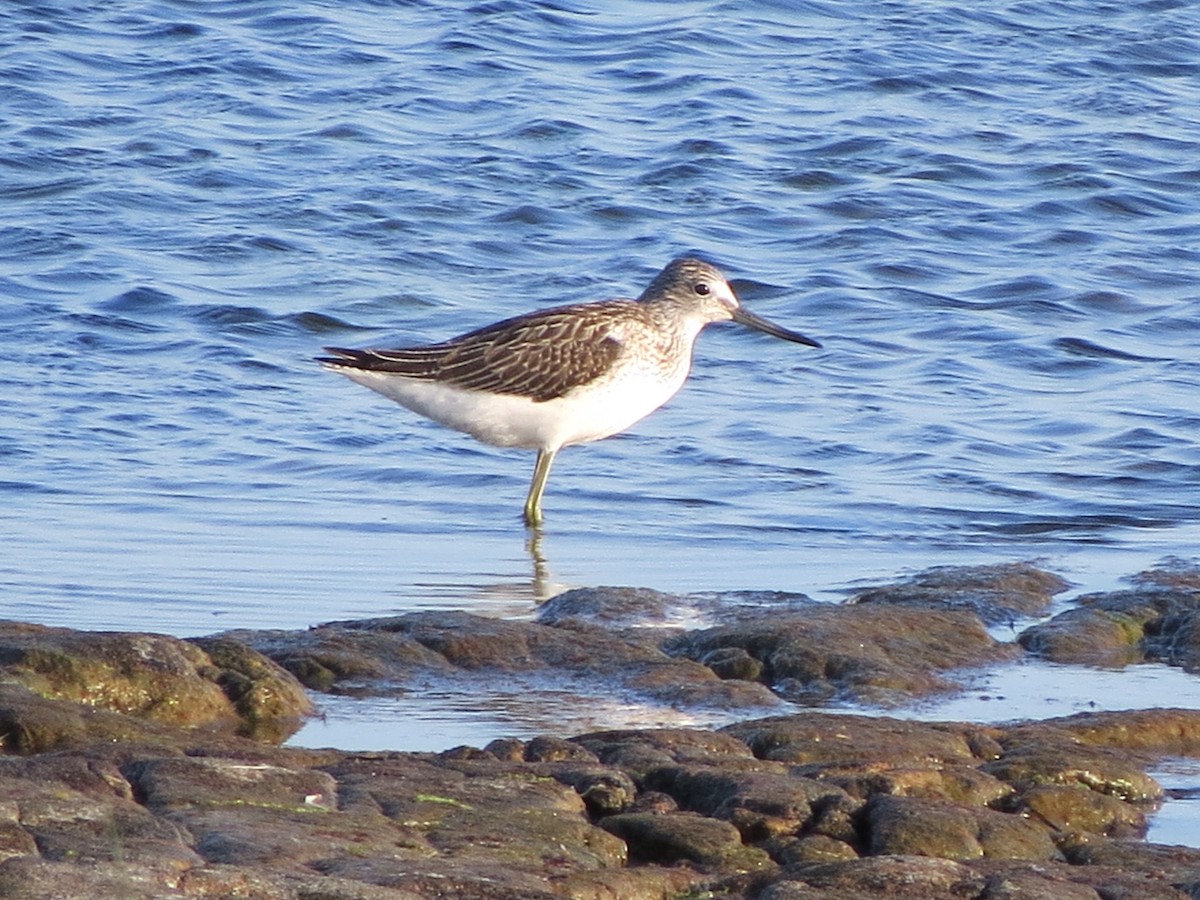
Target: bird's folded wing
(541, 355)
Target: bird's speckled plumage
(540, 355)
(560, 376)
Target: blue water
(990, 218)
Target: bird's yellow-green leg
(541, 471)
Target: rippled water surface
(990, 217)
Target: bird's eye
(701, 288)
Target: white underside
(598, 410)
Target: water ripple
(988, 216)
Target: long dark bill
(743, 316)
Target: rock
(733, 662)
(956, 783)
(1056, 881)
(614, 607)
(383, 656)
(154, 678)
(906, 877)
(1052, 753)
(1090, 636)
(107, 790)
(270, 702)
(685, 837)
(812, 848)
(906, 826)
(545, 748)
(1162, 731)
(759, 804)
(868, 653)
(625, 609)
(1176, 866)
(639, 751)
(997, 594)
(815, 740)
(1119, 628)
(1078, 808)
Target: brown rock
(1045, 754)
(812, 848)
(1123, 627)
(822, 739)
(1050, 881)
(957, 783)
(270, 702)
(1093, 637)
(685, 837)
(904, 877)
(909, 827)
(996, 593)
(866, 654)
(759, 804)
(153, 677)
(380, 655)
(639, 751)
(1077, 808)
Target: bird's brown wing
(540, 355)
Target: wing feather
(541, 355)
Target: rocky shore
(140, 765)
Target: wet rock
(911, 827)
(102, 795)
(270, 702)
(1057, 881)
(1089, 751)
(30, 723)
(997, 594)
(614, 607)
(695, 811)
(733, 662)
(760, 804)
(1164, 864)
(624, 609)
(1087, 637)
(154, 678)
(906, 877)
(815, 740)
(1163, 731)
(384, 655)
(510, 749)
(639, 751)
(1120, 628)
(545, 748)
(918, 878)
(168, 784)
(868, 653)
(685, 837)
(604, 792)
(812, 848)
(1077, 808)
(956, 783)
(335, 659)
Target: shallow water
(990, 218)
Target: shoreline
(154, 766)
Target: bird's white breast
(635, 387)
